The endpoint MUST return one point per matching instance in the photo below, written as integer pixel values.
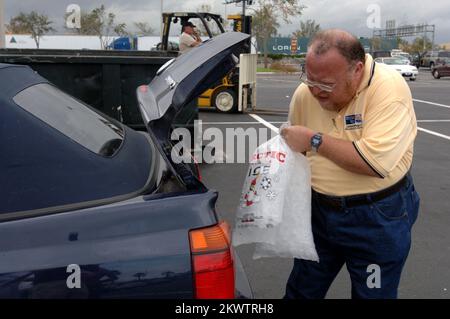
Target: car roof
(45, 171)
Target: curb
(279, 73)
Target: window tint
(444, 54)
(72, 118)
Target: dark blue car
(90, 208)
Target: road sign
(294, 45)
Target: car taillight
(143, 88)
(212, 261)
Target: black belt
(339, 202)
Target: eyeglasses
(323, 87)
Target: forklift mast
(239, 26)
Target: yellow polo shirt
(381, 123)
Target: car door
(446, 66)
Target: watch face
(316, 141)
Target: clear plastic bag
(275, 205)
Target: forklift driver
(189, 37)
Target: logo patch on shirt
(353, 121)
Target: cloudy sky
(351, 15)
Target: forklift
(223, 96)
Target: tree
(32, 23)
(265, 19)
(101, 23)
(403, 45)
(121, 30)
(375, 43)
(264, 27)
(144, 28)
(18, 24)
(421, 44)
(307, 29)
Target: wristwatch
(316, 141)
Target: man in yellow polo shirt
(355, 120)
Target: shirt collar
(369, 71)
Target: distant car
(86, 202)
(402, 66)
(401, 54)
(381, 54)
(416, 59)
(172, 46)
(442, 68)
(407, 60)
(430, 58)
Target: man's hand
(197, 36)
(298, 138)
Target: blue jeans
(372, 240)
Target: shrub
(288, 68)
(276, 57)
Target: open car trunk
(180, 81)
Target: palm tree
(307, 29)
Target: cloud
(352, 15)
(347, 14)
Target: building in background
(445, 46)
(75, 42)
(282, 45)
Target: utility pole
(237, 1)
(2, 25)
(244, 2)
(432, 41)
(425, 39)
(243, 17)
(160, 21)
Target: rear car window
(72, 118)
(444, 54)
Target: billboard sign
(286, 45)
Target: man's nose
(315, 90)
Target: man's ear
(360, 67)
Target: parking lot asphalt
(427, 270)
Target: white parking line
(432, 121)
(264, 122)
(237, 123)
(275, 129)
(271, 122)
(434, 133)
(277, 80)
(432, 103)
